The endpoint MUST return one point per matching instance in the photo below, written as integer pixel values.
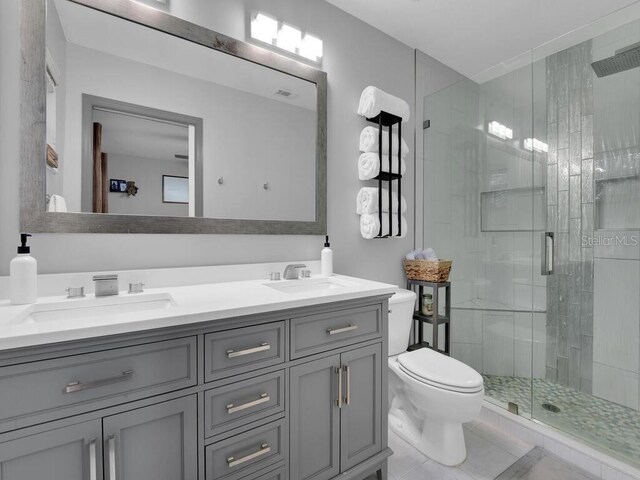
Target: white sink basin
(92, 308)
(306, 285)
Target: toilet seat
(440, 371)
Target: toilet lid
(439, 370)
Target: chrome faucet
(106, 285)
(291, 272)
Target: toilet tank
(401, 308)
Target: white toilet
(430, 394)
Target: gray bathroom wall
(355, 55)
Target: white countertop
(173, 306)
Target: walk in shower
(532, 188)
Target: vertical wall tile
(587, 137)
(575, 99)
(563, 127)
(563, 211)
(552, 184)
(575, 240)
(563, 169)
(573, 328)
(587, 181)
(575, 151)
(574, 368)
(575, 197)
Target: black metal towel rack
(388, 120)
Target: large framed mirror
(136, 121)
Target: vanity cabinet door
(361, 414)
(68, 453)
(315, 419)
(158, 442)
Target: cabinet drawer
(317, 333)
(249, 452)
(243, 349)
(243, 402)
(130, 373)
(277, 474)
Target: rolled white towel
(367, 201)
(369, 165)
(370, 225)
(373, 101)
(369, 142)
(57, 204)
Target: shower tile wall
(570, 214)
(616, 256)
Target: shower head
(624, 59)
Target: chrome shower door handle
(548, 260)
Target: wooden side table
(435, 319)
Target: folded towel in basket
(370, 225)
(367, 201)
(373, 101)
(369, 142)
(369, 165)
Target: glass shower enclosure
(532, 188)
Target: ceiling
(471, 36)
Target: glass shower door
(479, 201)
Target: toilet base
(440, 441)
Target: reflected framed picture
(115, 185)
(175, 189)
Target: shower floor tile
(597, 421)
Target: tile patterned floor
(600, 422)
(489, 453)
(539, 464)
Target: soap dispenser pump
(326, 258)
(23, 273)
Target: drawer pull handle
(231, 408)
(79, 386)
(263, 347)
(336, 331)
(264, 449)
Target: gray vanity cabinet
(68, 453)
(361, 414)
(336, 413)
(158, 442)
(315, 419)
(285, 395)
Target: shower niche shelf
(616, 205)
(510, 210)
(386, 179)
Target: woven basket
(427, 270)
